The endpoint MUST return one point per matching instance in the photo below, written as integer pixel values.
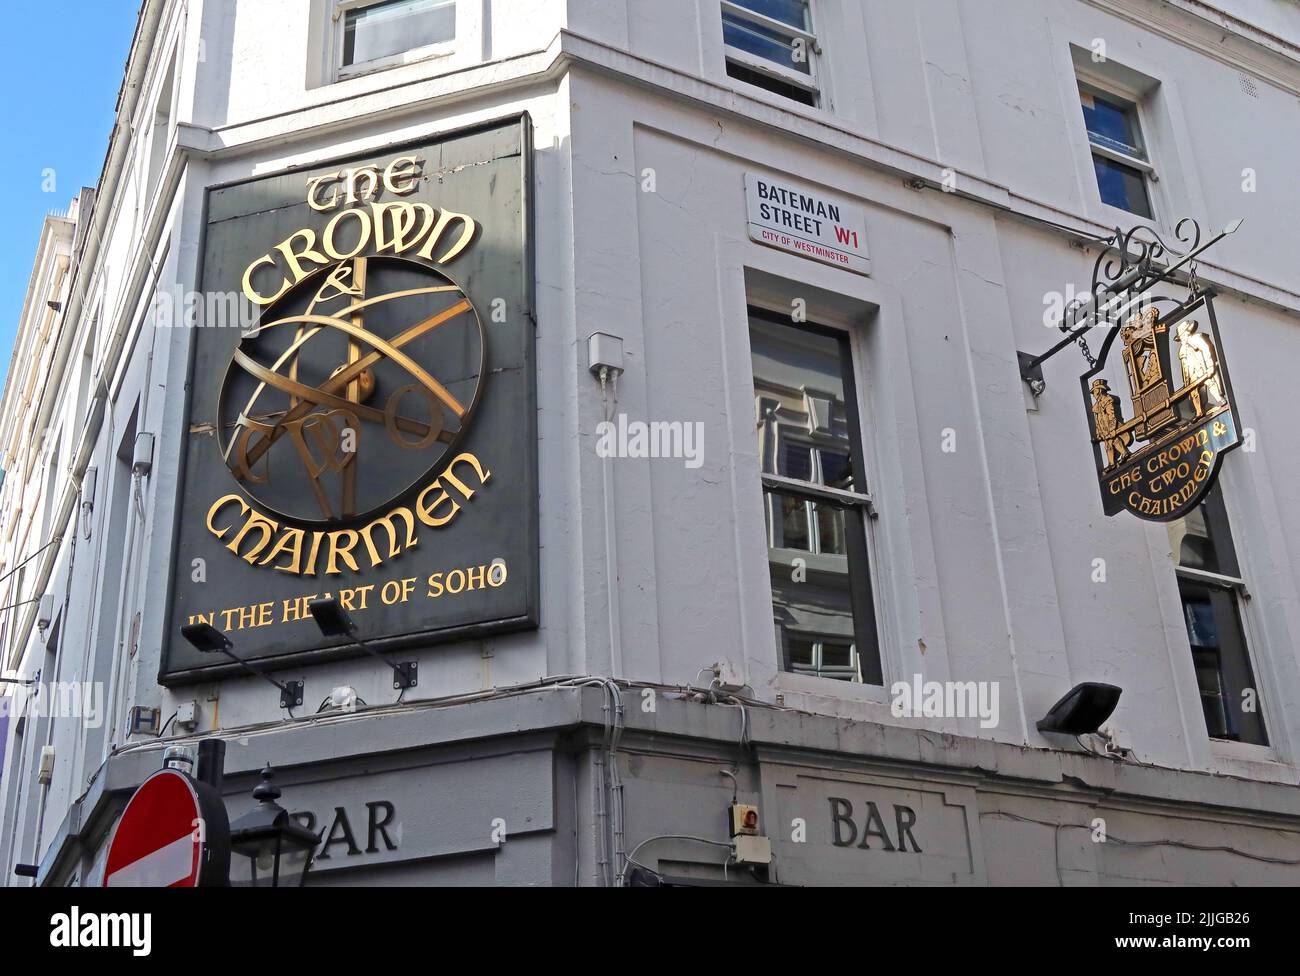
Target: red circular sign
(158, 841)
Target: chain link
(1066, 322)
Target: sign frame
(1212, 435)
(528, 513)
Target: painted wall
(983, 556)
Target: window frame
(811, 492)
(1131, 102)
(336, 23)
(858, 504)
(1234, 587)
(809, 82)
(819, 642)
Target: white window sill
(813, 686)
(774, 70)
(1242, 752)
(1110, 215)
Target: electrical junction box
(187, 715)
(44, 611)
(45, 772)
(752, 850)
(604, 351)
(142, 458)
(729, 676)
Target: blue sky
(62, 67)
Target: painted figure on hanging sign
(1107, 412)
(1161, 460)
(1200, 367)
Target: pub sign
(372, 435)
(1161, 412)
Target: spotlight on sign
(334, 621)
(207, 639)
(1082, 710)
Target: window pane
(795, 462)
(1122, 186)
(792, 530)
(383, 29)
(1203, 540)
(837, 655)
(800, 380)
(816, 596)
(1229, 697)
(790, 365)
(1206, 663)
(792, 12)
(1111, 123)
(1198, 615)
(1194, 547)
(765, 42)
(801, 653)
(783, 88)
(830, 529)
(837, 472)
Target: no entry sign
(174, 833)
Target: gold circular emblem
(351, 389)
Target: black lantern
(276, 850)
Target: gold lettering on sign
(261, 541)
(393, 227)
(388, 228)
(358, 599)
(401, 177)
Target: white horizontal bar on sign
(161, 869)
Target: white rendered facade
(983, 557)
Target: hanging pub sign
(370, 433)
(1158, 397)
(1158, 448)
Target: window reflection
(817, 554)
(384, 29)
(1209, 586)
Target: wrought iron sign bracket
(1130, 264)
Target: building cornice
(295, 128)
(1208, 30)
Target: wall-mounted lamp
(334, 621)
(1082, 710)
(208, 640)
(276, 850)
